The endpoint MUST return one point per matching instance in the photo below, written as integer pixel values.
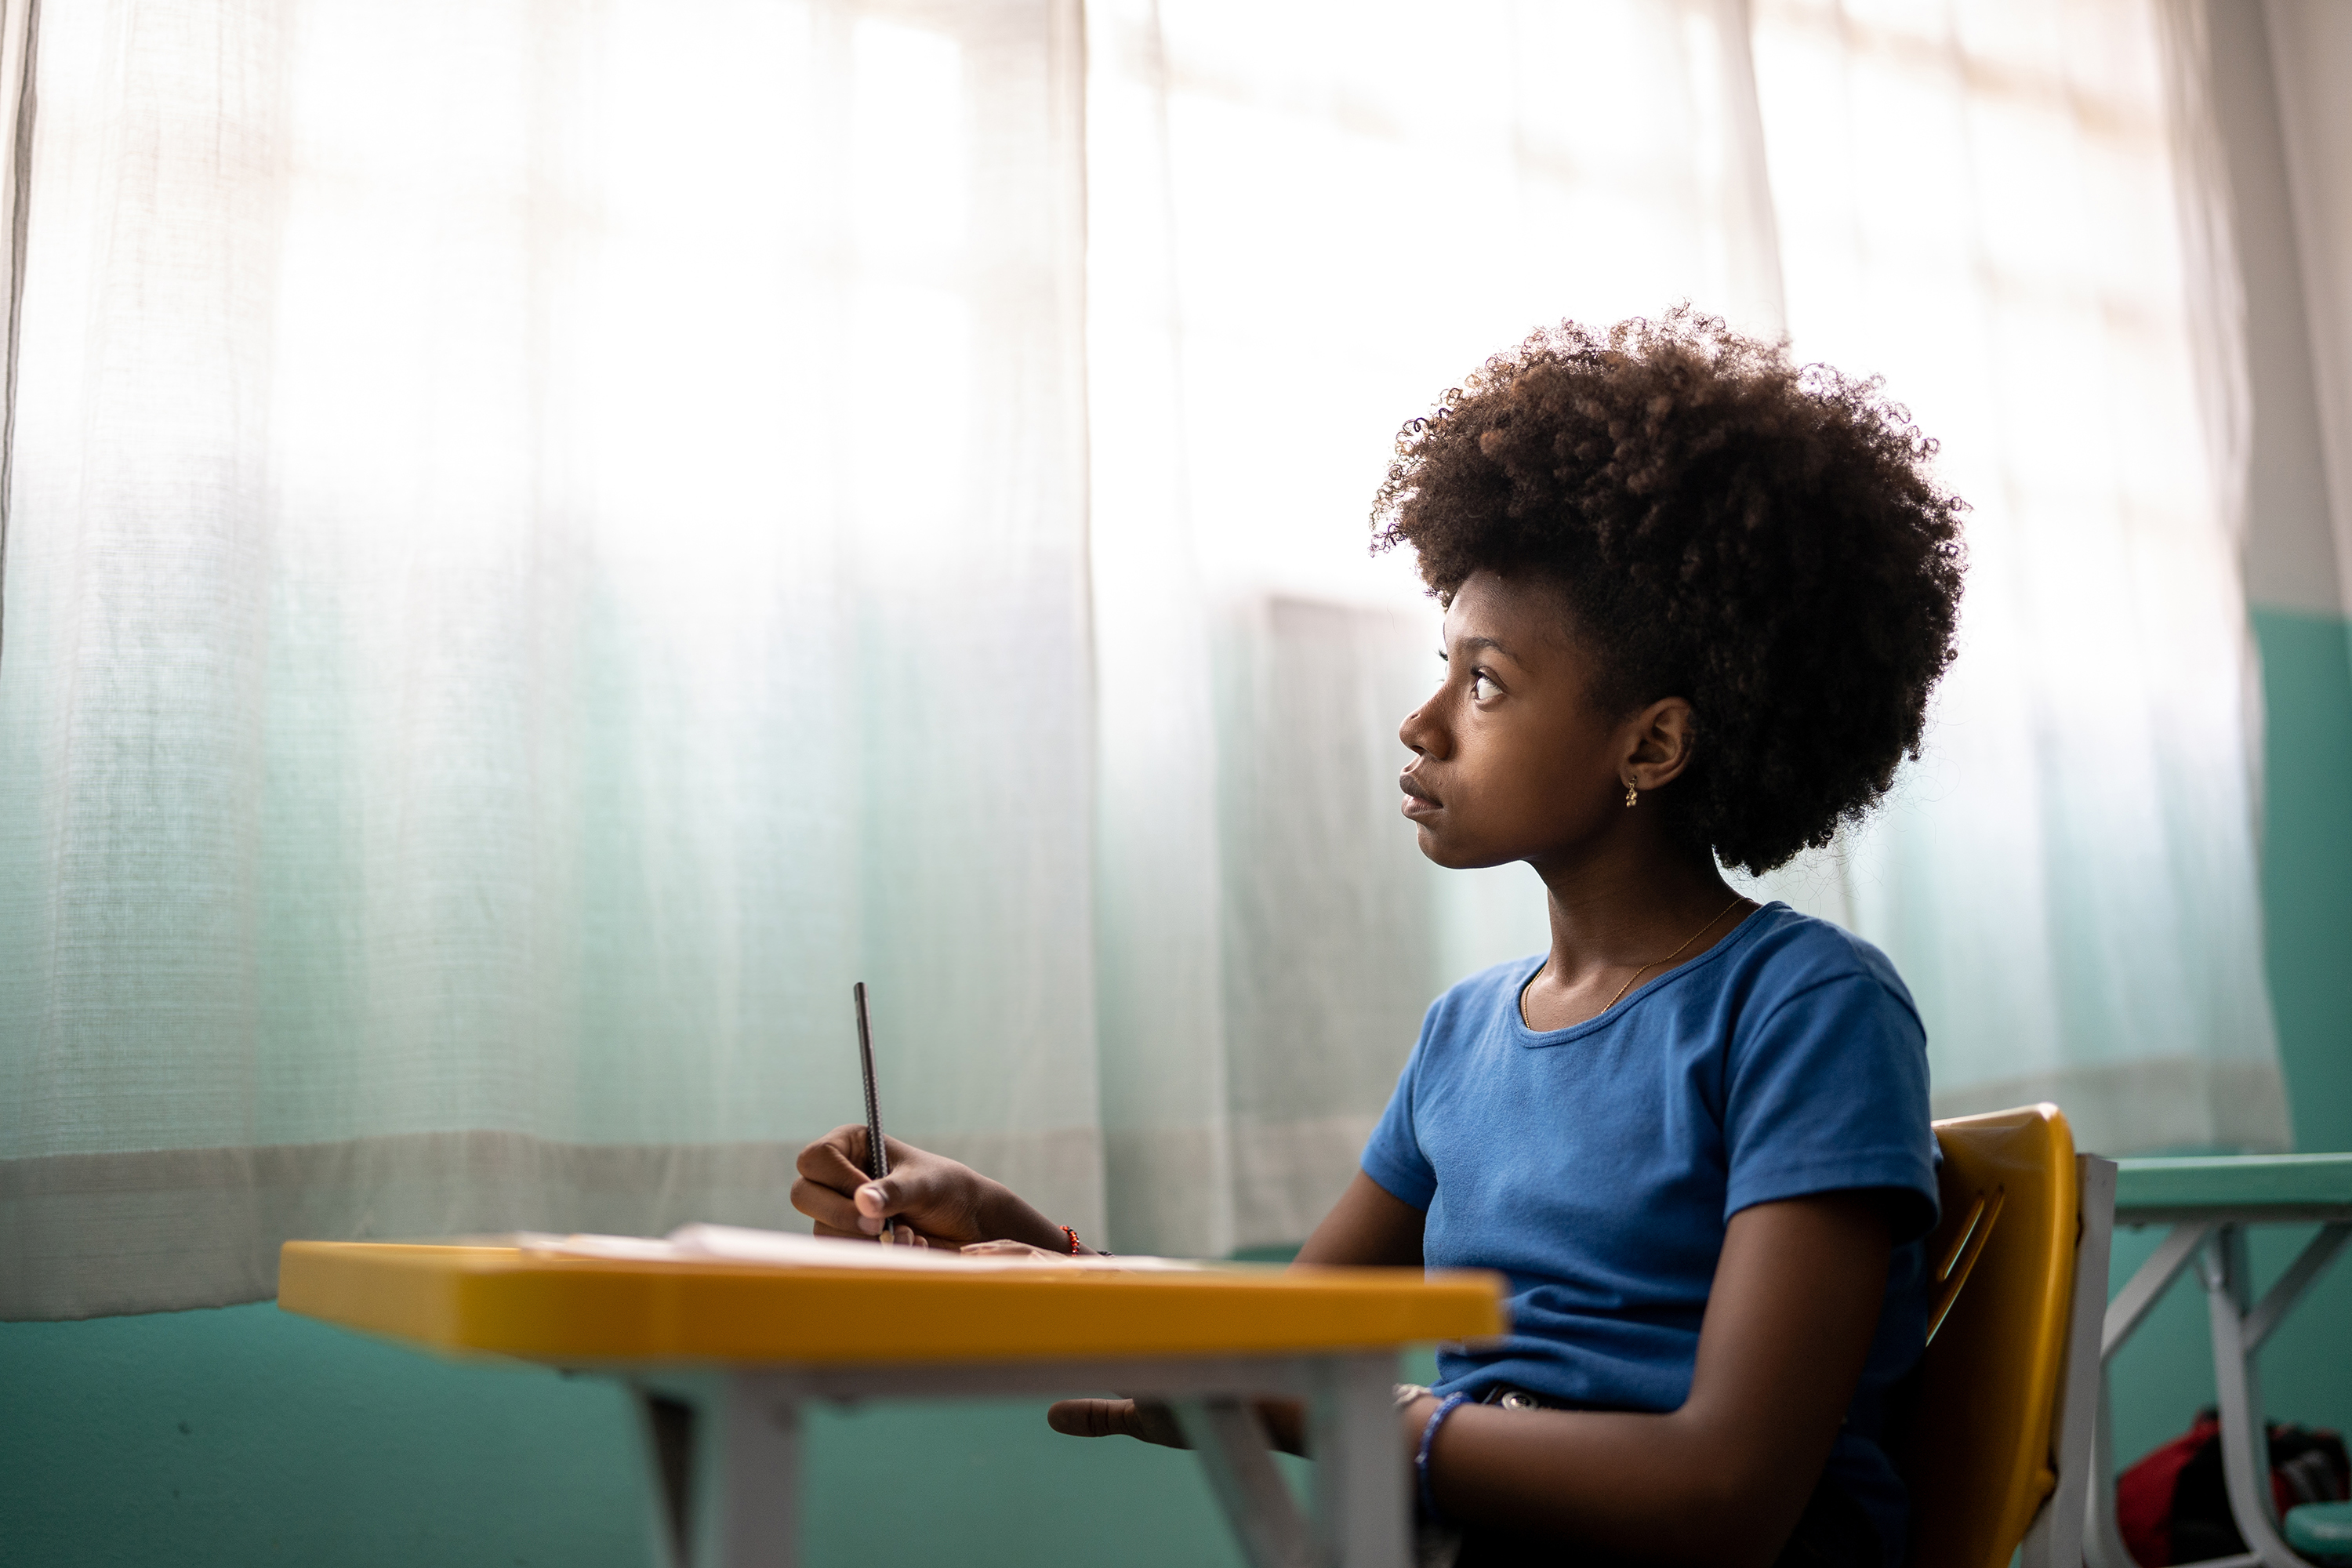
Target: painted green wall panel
(244, 1437)
(2308, 864)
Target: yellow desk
(720, 1357)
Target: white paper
(701, 1243)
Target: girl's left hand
(1148, 1419)
(1152, 1421)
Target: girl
(1695, 599)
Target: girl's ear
(1660, 739)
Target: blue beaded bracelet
(1445, 1407)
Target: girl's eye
(1481, 688)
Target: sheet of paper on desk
(739, 1243)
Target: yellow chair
(2000, 1446)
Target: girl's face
(1511, 760)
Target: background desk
(721, 1357)
(2209, 1202)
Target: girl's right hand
(945, 1203)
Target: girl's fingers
(1095, 1418)
(832, 1210)
(927, 1191)
(837, 1160)
(831, 1176)
(910, 1188)
(905, 1236)
(1156, 1423)
(930, 1238)
(932, 1197)
(1014, 1249)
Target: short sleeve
(1392, 1156)
(1829, 1094)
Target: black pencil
(877, 1157)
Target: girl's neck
(1619, 913)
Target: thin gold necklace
(1737, 899)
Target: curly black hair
(1760, 539)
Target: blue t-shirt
(1599, 1166)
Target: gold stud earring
(1631, 794)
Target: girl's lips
(1418, 801)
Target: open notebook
(738, 1244)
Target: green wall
(2308, 864)
(246, 1437)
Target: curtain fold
(2311, 50)
(544, 545)
(19, 20)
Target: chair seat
(2321, 1529)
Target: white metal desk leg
(2245, 1447)
(1363, 1513)
(2103, 1536)
(2103, 1541)
(666, 1425)
(1231, 1442)
(754, 1521)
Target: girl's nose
(1421, 736)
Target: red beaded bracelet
(1074, 1239)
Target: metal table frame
(2211, 1234)
(724, 1448)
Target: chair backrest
(2001, 1279)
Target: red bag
(2173, 1507)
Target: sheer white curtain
(546, 542)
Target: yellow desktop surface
(581, 1311)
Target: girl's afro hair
(1758, 538)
